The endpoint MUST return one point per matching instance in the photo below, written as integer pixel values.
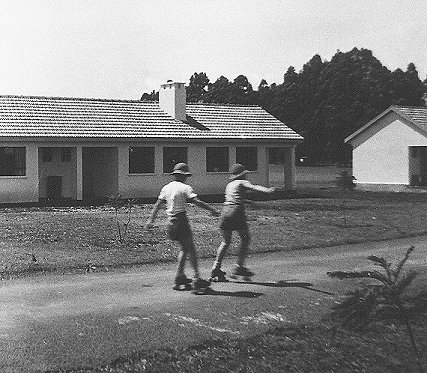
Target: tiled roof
(417, 115)
(235, 121)
(29, 116)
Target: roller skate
(182, 283)
(243, 272)
(218, 276)
(201, 287)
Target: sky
(120, 49)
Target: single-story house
(77, 149)
(390, 152)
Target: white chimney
(172, 99)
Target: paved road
(52, 322)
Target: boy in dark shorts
(233, 218)
(176, 194)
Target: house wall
(381, 153)
(149, 185)
(115, 156)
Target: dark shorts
(233, 218)
(178, 227)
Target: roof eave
(369, 124)
(132, 138)
(393, 108)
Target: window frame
(19, 154)
(244, 161)
(176, 158)
(223, 168)
(151, 156)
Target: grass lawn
(73, 238)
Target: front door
(100, 172)
(54, 188)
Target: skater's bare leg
(243, 247)
(182, 258)
(223, 247)
(189, 249)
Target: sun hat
(182, 169)
(237, 171)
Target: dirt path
(54, 322)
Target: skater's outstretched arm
(159, 203)
(204, 205)
(260, 188)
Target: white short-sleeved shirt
(176, 194)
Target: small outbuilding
(390, 152)
(55, 148)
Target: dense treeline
(325, 102)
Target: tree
(223, 91)
(242, 90)
(197, 87)
(218, 91)
(285, 105)
(406, 87)
(153, 96)
(264, 95)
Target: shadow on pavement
(239, 294)
(284, 284)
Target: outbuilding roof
(31, 116)
(417, 115)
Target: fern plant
(387, 299)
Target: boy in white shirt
(176, 194)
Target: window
(172, 156)
(47, 154)
(217, 159)
(66, 154)
(141, 160)
(12, 161)
(248, 157)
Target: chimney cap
(170, 83)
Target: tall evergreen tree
(153, 96)
(406, 87)
(197, 87)
(264, 95)
(219, 91)
(242, 91)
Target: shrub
(345, 181)
(390, 300)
